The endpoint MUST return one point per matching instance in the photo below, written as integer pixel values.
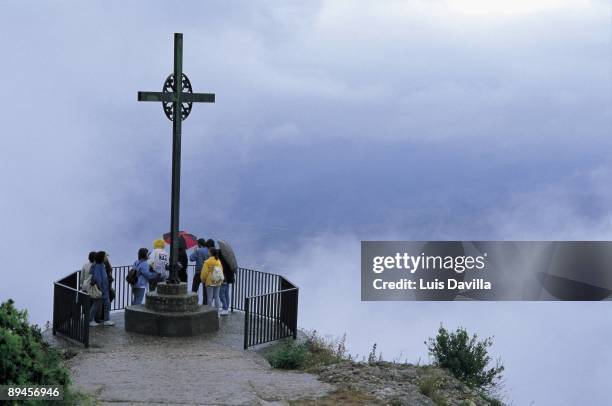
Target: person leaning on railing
(145, 274)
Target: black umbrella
(228, 255)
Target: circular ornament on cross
(170, 87)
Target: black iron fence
(123, 290)
(71, 309)
(269, 303)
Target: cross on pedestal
(177, 98)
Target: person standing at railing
(224, 291)
(144, 274)
(109, 273)
(111, 290)
(86, 268)
(212, 277)
(183, 260)
(199, 255)
(100, 279)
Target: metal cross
(177, 98)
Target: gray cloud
(334, 122)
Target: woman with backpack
(212, 277)
(144, 274)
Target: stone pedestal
(171, 311)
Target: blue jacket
(98, 274)
(199, 255)
(144, 272)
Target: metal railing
(123, 290)
(71, 309)
(269, 303)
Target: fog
(335, 122)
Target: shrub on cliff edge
(26, 359)
(466, 358)
(314, 352)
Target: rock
(398, 384)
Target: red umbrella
(190, 239)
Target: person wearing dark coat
(111, 290)
(100, 279)
(182, 259)
(228, 273)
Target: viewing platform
(268, 304)
(122, 367)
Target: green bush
(314, 352)
(288, 356)
(26, 359)
(466, 358)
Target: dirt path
(128, 369)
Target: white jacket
(85, 269)
(159, 262)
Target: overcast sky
(335, 122)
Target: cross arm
(198, 97)
(155, 96)
(169, 97)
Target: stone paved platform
(122, 368)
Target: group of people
(97, 276)
(211, 271)
(207, 259)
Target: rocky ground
(398, 384)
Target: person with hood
(210, 271)
(159, 262)
(199, 255)
(228, 273)
(100, 279)
(144, 274)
